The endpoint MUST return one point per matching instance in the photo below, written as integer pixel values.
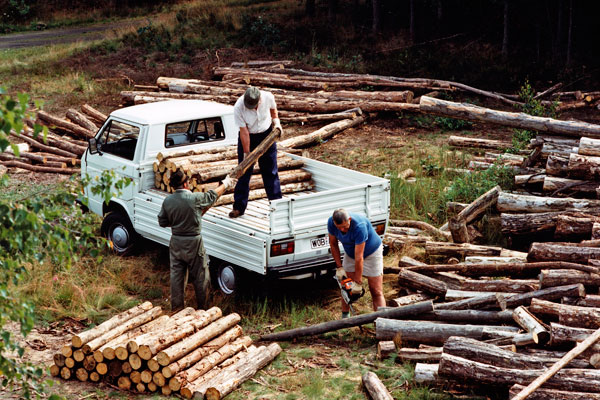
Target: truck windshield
(196, 131)
(120, 139)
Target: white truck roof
(164, 112)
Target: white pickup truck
(285, 238)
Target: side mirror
(93, 146)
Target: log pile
(193, 353)
(61, 149)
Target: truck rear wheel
(117, 228)
(227, 278)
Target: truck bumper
(316, 266)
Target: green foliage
(469, 187)
(259, 31)
(430, 166)
(452, 124)
(108, 185)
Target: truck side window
(192, 132)
(119, 139)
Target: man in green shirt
(183, 211)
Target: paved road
(64, 35)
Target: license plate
(319, 242)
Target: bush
(467, 188)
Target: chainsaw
(345, 289)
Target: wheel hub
(120, 237)
(227, 279)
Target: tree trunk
(454, 295)
(38, 168)
(322, 134)
(589, 147)
(409, 299)
(424, 226)
(459, 231)
(94, 114)
(469, 316)
(474, 303)
(590, 300)
(426, 373)
(81, 120)
(550, 251)
(81, 374)
(431, 332)
(66, 126)
(260, 194)
(196, 340)
(551, 293)
(531, 324)
(79, 340)
(558, 277)
(515, 120)
(462, 369)
(400, 312)
(305, 118)
(508, 202)
(108, 350)
(553, 394)
(462, 141)
(502, 269)
(173, 154)
(385, 349)
(416, 281)
(586, 167)
(460, 249)
(557, 165)
(576, 316)
(581, 188)
(375, 388)
(499, 285)
(426, 355)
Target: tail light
(379, 228)
(281, 249)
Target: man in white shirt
(255, 114)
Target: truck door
(117, 145)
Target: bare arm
(245, 139)
(359, 251)
(219, 190)
(335, 250)
(274, 113)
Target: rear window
(193, 132)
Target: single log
(469, 316)
(474, 303)
(153, 365)
(557, 165)
(460, 249)
(558, 150)
(208, 362)
(164, 339)
(548, 374)
(516, 120)
(81, 120)
(531, 324)
(159, 379)
(136, 376)
(522, 224)
(470, 142)
(38, 168)
(117, 331)
(500, 285)
(586, 167)
(399, 312)
(65, 373)
(115, 368)
(502, 269)
(589, 146)
(146, 376)
(553, 394)
(65, 125)
(551, 293)
(201, 352)
(432, 332)
(126, 367)
(61, 148)
(583, 188)
(432, 230)
(69, 362)
(426, 373)
(490, 354)
(375, 388)
(558, 277)
(79, 355)
(322, 134)
(590, 300)
(260, 194)
(459, 231)
(529, 179)
(180, 349)
(479, 205)
(89, 363)
(561, 334)
(135, 361)
(54, 370)
(576, 316)
(286, 116)
(515, 257)
(462, 369)
(140, 387)
(418, 281)
(124, 383)
(101, 368)
(81, 374)
(261, 63)
(409, 299)
(59, 360)
(385, 348)
(424, 355)
(66, 351)
(457, 294)
(171, 154)
(562, 252)
(508, 202)
(80, 339)
(596, 231)
(94, 114)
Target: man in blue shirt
(364, 254)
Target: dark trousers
(188, 262)
(268, 169)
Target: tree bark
(416, 281)
(425, 355)
(586, 167)
(424, 226)
(375, 388)
(515, 120)
(460, 249)
(502, 269)
(400, 312)
(385, 348)
(469, 316)
(558, 277)
(39, 168)
(409, 299)
(554, 252)
(426, 373)
(576, 316)
(80, 339)
(590, 300)
(432, 332)
(551, 293)
(81, 120)
(553, 394)
(470, 142)
(94, 114)
(589, 147)
(322, 134)
(582, 188)
(508, 202)
(531, 324)
(260, 194)
(454, 294)
(66, 126)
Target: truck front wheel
(117, 228)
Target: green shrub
(467, 188)
(452, 124)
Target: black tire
(119, 231)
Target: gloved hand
(356, 290)
(340, 274)
(277, 124)
(245, 155)
(229, 182)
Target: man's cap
(251, 97)
(178, 178)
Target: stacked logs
(486, 330)
(60, 150)
(207, 167)
(197, 353)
